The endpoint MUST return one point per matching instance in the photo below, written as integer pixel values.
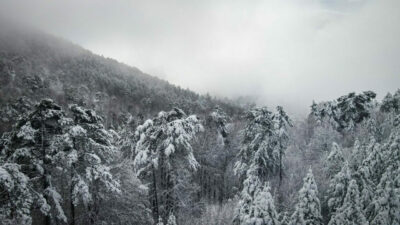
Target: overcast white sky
(286, 52)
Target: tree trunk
(154, 199)
(46, 182)
(71, 199)
(280, 164)
(163, 188)
(280, 169)
(169, 198)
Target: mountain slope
(36, 65)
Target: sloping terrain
(35, 65)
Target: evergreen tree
(220, 119)
(126, 141)
(325, 113)
(358, 155)
(374, 165)
(282, 122)
(345, 112)
(37, 145)
(350, 212)
(308, 207)
(256, 206)
(334, 160)
(90, 158)
(250, 185)
(258, 145)
(373, 128)
(322, 139)
(391, 103)
(385, 206)
(264, 208)
(354, 108)
(15, 197)
(130, 205)
(338, 188)
(171, 219)
(391, 148)
(163, 146)
(369, 172)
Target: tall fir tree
(337, 189)
(334, 161)
(37, 145)
(258, 145)
(308, 207)
(163, 146)
(256, 206)
(385, 206)
(90, 158)
(350, 212)
(171, 219)
(16, 198)
(282, 123)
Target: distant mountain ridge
(35, 65)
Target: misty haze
(200, 112)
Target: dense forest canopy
(88, 140)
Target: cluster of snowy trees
(345, 112)
(101, 152)
(360, 182)
(65, 167)
(57, 169)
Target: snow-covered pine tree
(220, 119)
(126, 142)
(338, 188)
(358, 155)
(385, 206)
(334, 161)
(36, 144)
(90, 159)
(350, 212)
(250, 185)
(373, 128)
(354, 108)
(308, 207)
(131, 205)
(163, 145)
(391, 103)
(370, 172)
(171, 219)
(258, 145)
(256, 205)
(216, 141)
(263, 207)
(282, 122)
(322, 139)
(15, 197)
(345, 112)
(325, 113)
(391, 148)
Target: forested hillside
(88, 140)
(35, 65)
